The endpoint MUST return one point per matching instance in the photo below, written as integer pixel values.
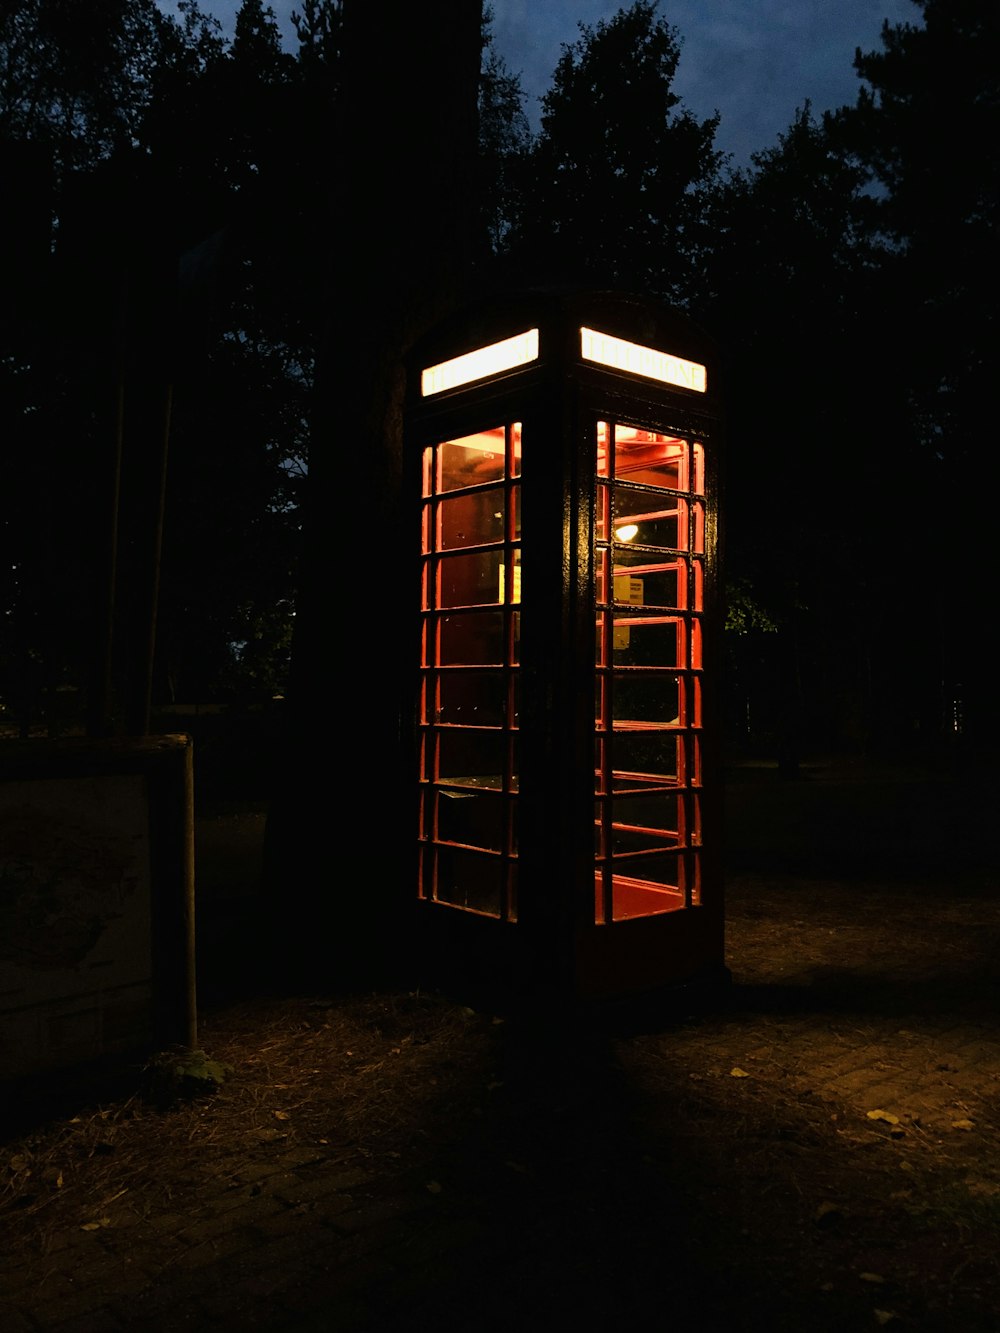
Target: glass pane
(426, 701)
(514, 592)
(603, 450)
(643, 819)
(698, 528)
(653, 699)
(661, 584)
(696, 644)
(698, 480)
(693, 873)
(475, 819)
(639, 519)
(693, 822)
(649, 457)
(515, 496)
(426, 761)
(471, 698)
(474, 519)
(471, 758)
(470, 880)
(694, 702)
(514, 461)
(629, 841)
(602, 693)
(646, 641)
(470, 639)
(600, 830)
(643, 755)
(602, 648)
(427, 470)
(470, 580)
(602, 515)
(471, 459)
(694, 773)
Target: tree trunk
(340, 854)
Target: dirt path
(821, 1153)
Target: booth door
(649, 593)
(468, 707)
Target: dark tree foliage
(77, 77)
(249, 318)
(319, 29)
(796, 294)
(75, 84)
(848, 285)
(161, 282)
(924, 127)
(504, 145)
(184, 215)
(614, 188)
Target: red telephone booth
(564, 456)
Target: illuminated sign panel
(484, 361)
(637, 360)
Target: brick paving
(680, 1177)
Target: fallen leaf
(887, 1116)
(963, 1124)
(433, 1187)
(281, 1115)
(883, 1316)
(871, 1277)
(96, 1226)
(737, 1072)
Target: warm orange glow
(638, 360)
(477, 365)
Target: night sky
(754, 61)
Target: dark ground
(821, 1152)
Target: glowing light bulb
(626, 532)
